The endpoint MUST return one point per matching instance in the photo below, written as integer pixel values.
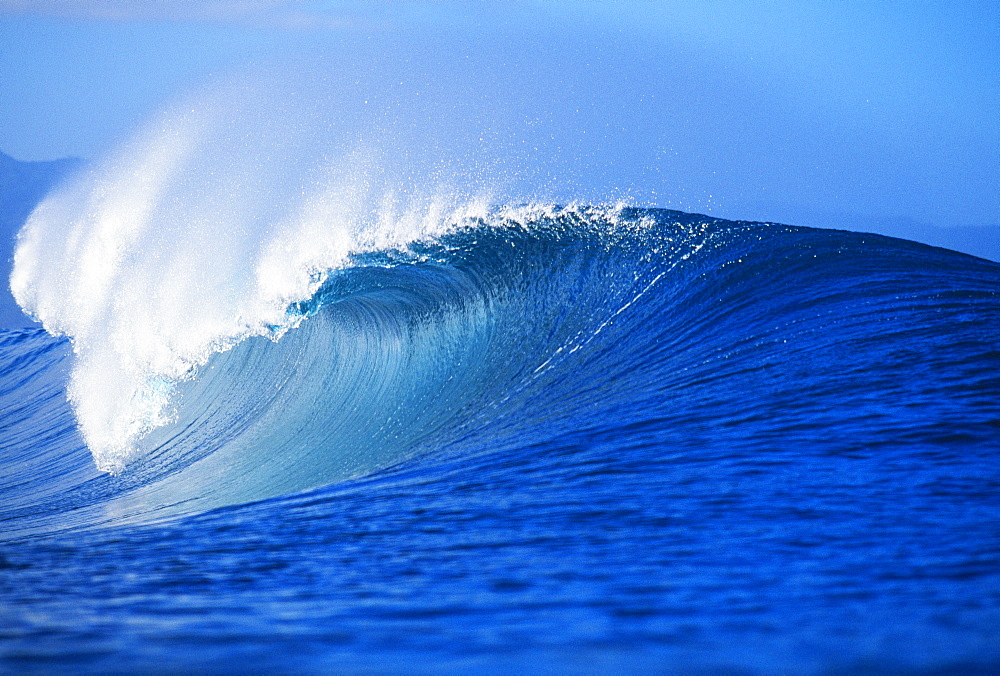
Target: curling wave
(242, 306)
(525, 324)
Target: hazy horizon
(808, 114)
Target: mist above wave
(202, 229)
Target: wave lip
(401, 352)
(182, 246)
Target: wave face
(186, 243)
(394, 353)
(490, 436)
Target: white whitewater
(199, 233)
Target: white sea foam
(199, 233)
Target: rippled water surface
(582, 440)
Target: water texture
(522, 437)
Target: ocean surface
(527, 437)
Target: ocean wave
(245, 304)
(521, 324)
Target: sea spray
(201, 232)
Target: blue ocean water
(542, 438)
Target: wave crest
(195, 236)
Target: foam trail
(201, 232)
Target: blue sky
(792, 111)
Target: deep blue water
(657, 441)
